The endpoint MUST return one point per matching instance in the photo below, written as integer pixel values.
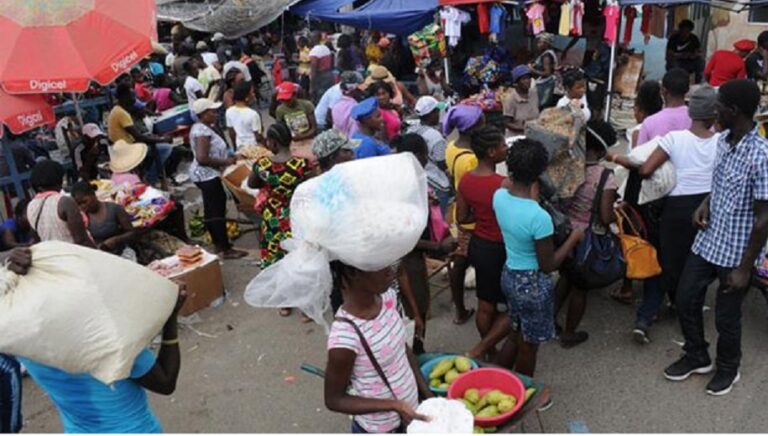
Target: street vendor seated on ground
(55, 216)
(108, 223)
(87, 405)
(368, 116)
(725, 65)
(120, 125)
(684, 51)
(543, 69)
(16, 231)
(521, 104)
(431, 81)
(88, 152)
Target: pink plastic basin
(486, 380)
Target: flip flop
(577, 338)
(467, 317)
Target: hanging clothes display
(565, 19)
(452, 20)
(498, 15)
(611, 13)
(680, 13)
(577, 17)
(482, 18)
(535, 16)
(658, 21)
(629, 13)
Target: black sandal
(576, 339)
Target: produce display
(487, 100)
(448, 370)
(145, 204)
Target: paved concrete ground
(236, 380)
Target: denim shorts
(531, 303)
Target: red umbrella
(24, 112)
(60, 46)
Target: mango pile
(448, 370)
(492, 404)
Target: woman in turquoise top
(527, 230)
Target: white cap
(91, 130)
(203, 104)
(425, 105)
(201, 45)
(218, 36)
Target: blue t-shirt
(87, 405)
(13, 227)
(522, 222)
(369, 147)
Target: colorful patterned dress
(280, 181)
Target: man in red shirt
(729, 65)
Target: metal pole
(611, 68)
(78, 111)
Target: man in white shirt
(348, 81)
(193, 88)
(243, 123)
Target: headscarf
(702, 105)
(462, 117)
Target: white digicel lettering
(30, 120)
(125, 61)
(47, 85)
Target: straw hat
(124, 157)
(378, 73)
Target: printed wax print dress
(280, 181)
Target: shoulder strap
(599, 193)
(369, 352)
(456, 159)
(40, 213)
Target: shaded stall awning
(401, 17)
(233, 18)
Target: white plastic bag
(661, 182)
(82, 310)
(367, 213)
(446, 416)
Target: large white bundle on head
(366, 213)
(82, 310)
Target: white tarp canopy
(233, 18)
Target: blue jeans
(10, 395)
(159, 154)
(444, 197)
(653, 297)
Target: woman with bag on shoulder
(692, 152)
(436, 240)
(591, 210)
(367, 351)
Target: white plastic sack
(661, 182)
(82, 310)
(366, 213)
(447, 416)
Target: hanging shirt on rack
(577, 17)
(611, 13)
(453, 19)
(482, 18)
(498, 19)
(658, 21)
(535, 15)
(630, 13)
(565, 19)
(645, 23)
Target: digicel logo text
(125, 62)
(30, 120)
(47, 85)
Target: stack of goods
(251, 154)
(427, 44)
(145, 205)
(488, 100)
(166, 269)
(480, 69)
(189, 256)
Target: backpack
(597, 261)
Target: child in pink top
(379, 406)
(384, 93)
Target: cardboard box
(233, 180)
(204, 283)
(627, 76)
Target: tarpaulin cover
(401, 17)
(233, 18)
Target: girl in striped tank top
(380, 404)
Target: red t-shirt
(478, 193)
(725, 65)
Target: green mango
(472, 395)
(463, 364)
(488, 412)
(478, 430)
(451, 375)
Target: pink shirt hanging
(577, 17)
(535, 15)
(611, 14)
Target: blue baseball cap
(519, 72)
(364, 109)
